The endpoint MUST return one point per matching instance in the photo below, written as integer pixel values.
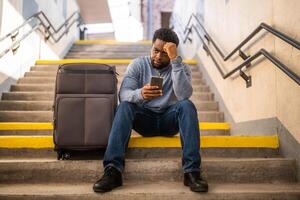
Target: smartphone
(156, 81)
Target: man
(155, 112)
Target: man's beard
(160, 66)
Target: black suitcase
(84, 107)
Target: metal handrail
(19, 27)
(12, 46)
(262, 26)
(55, 31)
(247, 59)
(50, 30)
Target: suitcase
(84, 105)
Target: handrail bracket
(244, 57)
(14, 35)
(47, 32)
(248, 79)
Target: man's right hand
(150, 92)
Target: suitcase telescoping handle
(80, 68)
(87, 71)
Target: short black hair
(166, 35)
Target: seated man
(155, 112)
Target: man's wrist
(177, 59)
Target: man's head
(159, 58)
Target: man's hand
(171, 50)
(151, 92)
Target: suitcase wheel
(63, 155)
(59, 155)
(66, 156)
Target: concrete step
(216, 170)
(110, 48)
(100, 36)
(120, 67)
(49, 132)
(210, 116)
(26, 116)
(50, 87)
(54, 67)
(35, 88)
(34, 84)
(25, 132)
(40, 96)
(99, 51)
(110, 55)
(50, 74)
(116, 56)
(30, 80)
(113, 45)
(196, 80)
(47, 105)
(28, 96)
(26, 105)
(34, 80)
(237, 170)
(143, 153)
(107, 53)
(47, 116)
(40, 74)
(104, 56)
(150, 191)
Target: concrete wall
(0, 14)
(14, 13)
(151, 15)
(274, 98)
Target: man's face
(159, 58)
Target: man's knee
(125, 106)
(186, 105)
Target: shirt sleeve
(131, 87)
(182, 80)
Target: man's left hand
(171, 49)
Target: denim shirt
(176, 84)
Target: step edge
(34, 141)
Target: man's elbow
(185, 94)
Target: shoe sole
(103, 191)
(196, 189)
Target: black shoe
(195, 182)
(111, 179)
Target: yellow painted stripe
(104, 61)
(26, 126)
(34, 142)
(111, 42)
(240, 141)
(209, 142)
(64, 61)
(151, 142)
(48, 126)
(214, 126)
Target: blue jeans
(181, 117)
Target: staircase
(236, 167)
